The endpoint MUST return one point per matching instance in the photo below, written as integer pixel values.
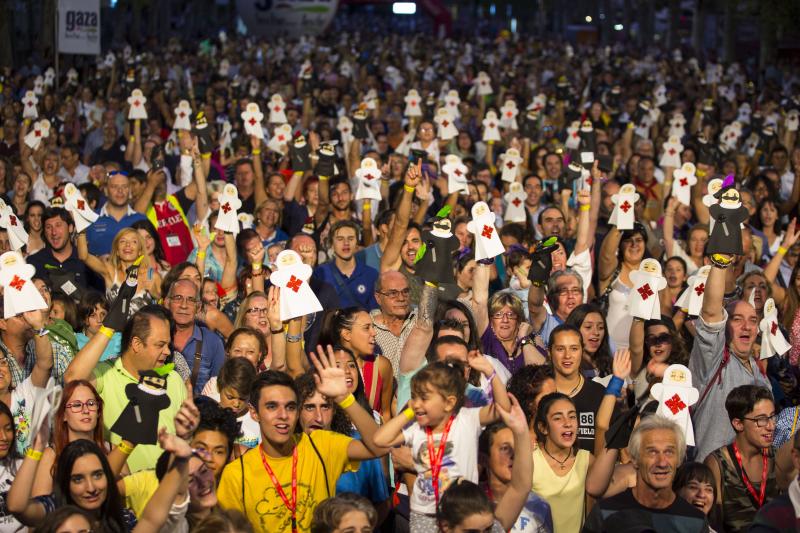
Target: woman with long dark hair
(10, 461)
(33, 223)
(597, 356)
(654, 345)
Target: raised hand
(330, 379)
(35, 318)
(514, 418)
(621, 366)
(274, 308)
(187, 419)
(584, 197)
(202, 237)
(790, 237)
(480, 363)
(174, 444)
(414, 174)
(255, 142)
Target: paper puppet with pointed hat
(326, 159)
(677, 126)
(49, 76)
(19, 292)
(434, 259)
(138, 421)
(360, 123)
(252, 117)
(229, 205)
(588, 144)
(508, 115)
(182, 116)
(413, 104)
(76, 204)
(660, 95)
(446, 127)
(539, 103)
(510, 164)
(246, 220)
(674, 396)
(483, 84)
(39, 131)
(371, 99)
(643, 300)
(682, 181)
(691, 299)
(451, 102)
(224, 68)
(38, 85)
(772, 340)
(136, 105)
(491, 127)
(17, 236)
(515, 203)
(297, 298)
(276, 109)
(281, 136)
(728, 215)
(369, 180)
(300, 154)
(671, 156)
(456, 172)
(573, 136)
(345, 127)
(487, 241)
(745, 112)
(622, 216)
(29, 102)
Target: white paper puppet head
(19, 292)
(137, 102)
(515, 187)
(182, 114)
(480, 209)
(650, 266)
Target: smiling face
(593, 331)
(659, 340)
(88, 485)
(430, 406)
(85, 419)
(247, 346)
(215, 443)
(256, 314)
(566, 352)
(658, 458)
(505, 323)
(128, 246)
(763, 413)
(276, 414)
(562, 423)
(408, 251)
(202, 485)
(742, 328)
(153, 351)
(6, 436)
(698, 493)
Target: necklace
(578, 386)
(561, 464)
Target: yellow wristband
(367, 205)
(409, 414)
(782, 250)
(430, 284)
(585, 207)
(133, 139)
(324, 178)
(257, 267)
(206, 156)
(257, 151)
(347, 402)
(108, 332)
(408, 188)
(36, 455)
(125, 448)
(201, 255)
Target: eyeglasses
(507, 315)
(655, 340)
(257, 311)
(77, 407)
(394, 293)
(763, 421)
(180, 299)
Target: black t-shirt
(587, 402)
(114, 153)
(622, 513)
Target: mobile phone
(417, 155)
(158, 158)
(605, 163)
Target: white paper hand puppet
(29, 102)
(19, 292)
(491, 129)
(229, 204)
(674, 395)
(76, 204)
(508, 115)
(369, 180)
(49, 76)
(280, 138)
(677, 126)
(345, 127)
(39, 131)
(573, 136)
(297, 298)
(515, 203)
(672, 153)
(136, 102)
(792, 120)
(413, 104)
(246, 220)
(643, 301)
(451, 102)
(225, 139)
(714, 185)
(622, 216)
(691, 299)
(17, 236)
(682, 181)
(276, 109)
(510, 164)
(772, 340)
(487, 241)
(252, 117)
(483, 84)
(38, 85)
(456, 172)
(182, 114)
(444, 120)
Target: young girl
(92, 310)
(444, 436)
(33, 225)
(235, 379)
(63, 307)
(347, 512)
(596, 360)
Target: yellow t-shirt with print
(263, 505)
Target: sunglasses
(655, 340)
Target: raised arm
(712, 310)
(93, 262)
(44, 350)
(608, 257)
(260, 192)
(636, 346)
(154, 179)
(488, 413)
(296, 361)
(228, 280)
(277, 335)
(200, 162)
(391, 255)
(19, 499)
(480, 297)
(512, 502)
(412, 354)
(772, 269)
(669, 225)
(584, 233)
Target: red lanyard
(292, 506)
(760, 497)
(437, 457)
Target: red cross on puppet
(29, 103)
(487, 231)
(511, 165)
(457, 173)
(181, 114)
(575, 134)
(491, 124)
(12, 220)
(294, 283)
(625, 206)
(445, 123)
(672, 151)
(773, 328)
(136, 103)
(516, 202)
(675, 404)
(281, 138)
(277, 108)
(226, 207)
(38, 133)
(700, 289)
(252, 121)
(17, 282)
(509, 114)
(81, 205)
(413, 103)
(645, 291)
(684, 182)
(369, 177)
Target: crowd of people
(461, 375)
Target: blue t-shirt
(101, 233)
(356, 290)
(368, 481)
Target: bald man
(394, 319)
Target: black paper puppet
(138, 422)
(203, 132)
(300, 154)
(327, 157)
(360, 124)
(728, 215)
(542, 262)
(434, 260)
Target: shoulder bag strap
(198, 349)
(241, 464)
(324, 470)
(717, 377)
(373, 381)
(342, 284)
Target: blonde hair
(241, 314)
(502, 299)
(115, 260)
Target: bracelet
(276, 331)
(323, 178)
(433, 285)
(408, 188)
(615, 386)
(257, 151)
(669, 215)
(42, 332)
(348, 401)
(585, 207)
(36, 455)
(206, 156)
(294, 338)
(409, 414)
(367, 206)
(125, 448)
(257, 267)
(782, 250)
(201, 254)
(108, 332)
(492, 376)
